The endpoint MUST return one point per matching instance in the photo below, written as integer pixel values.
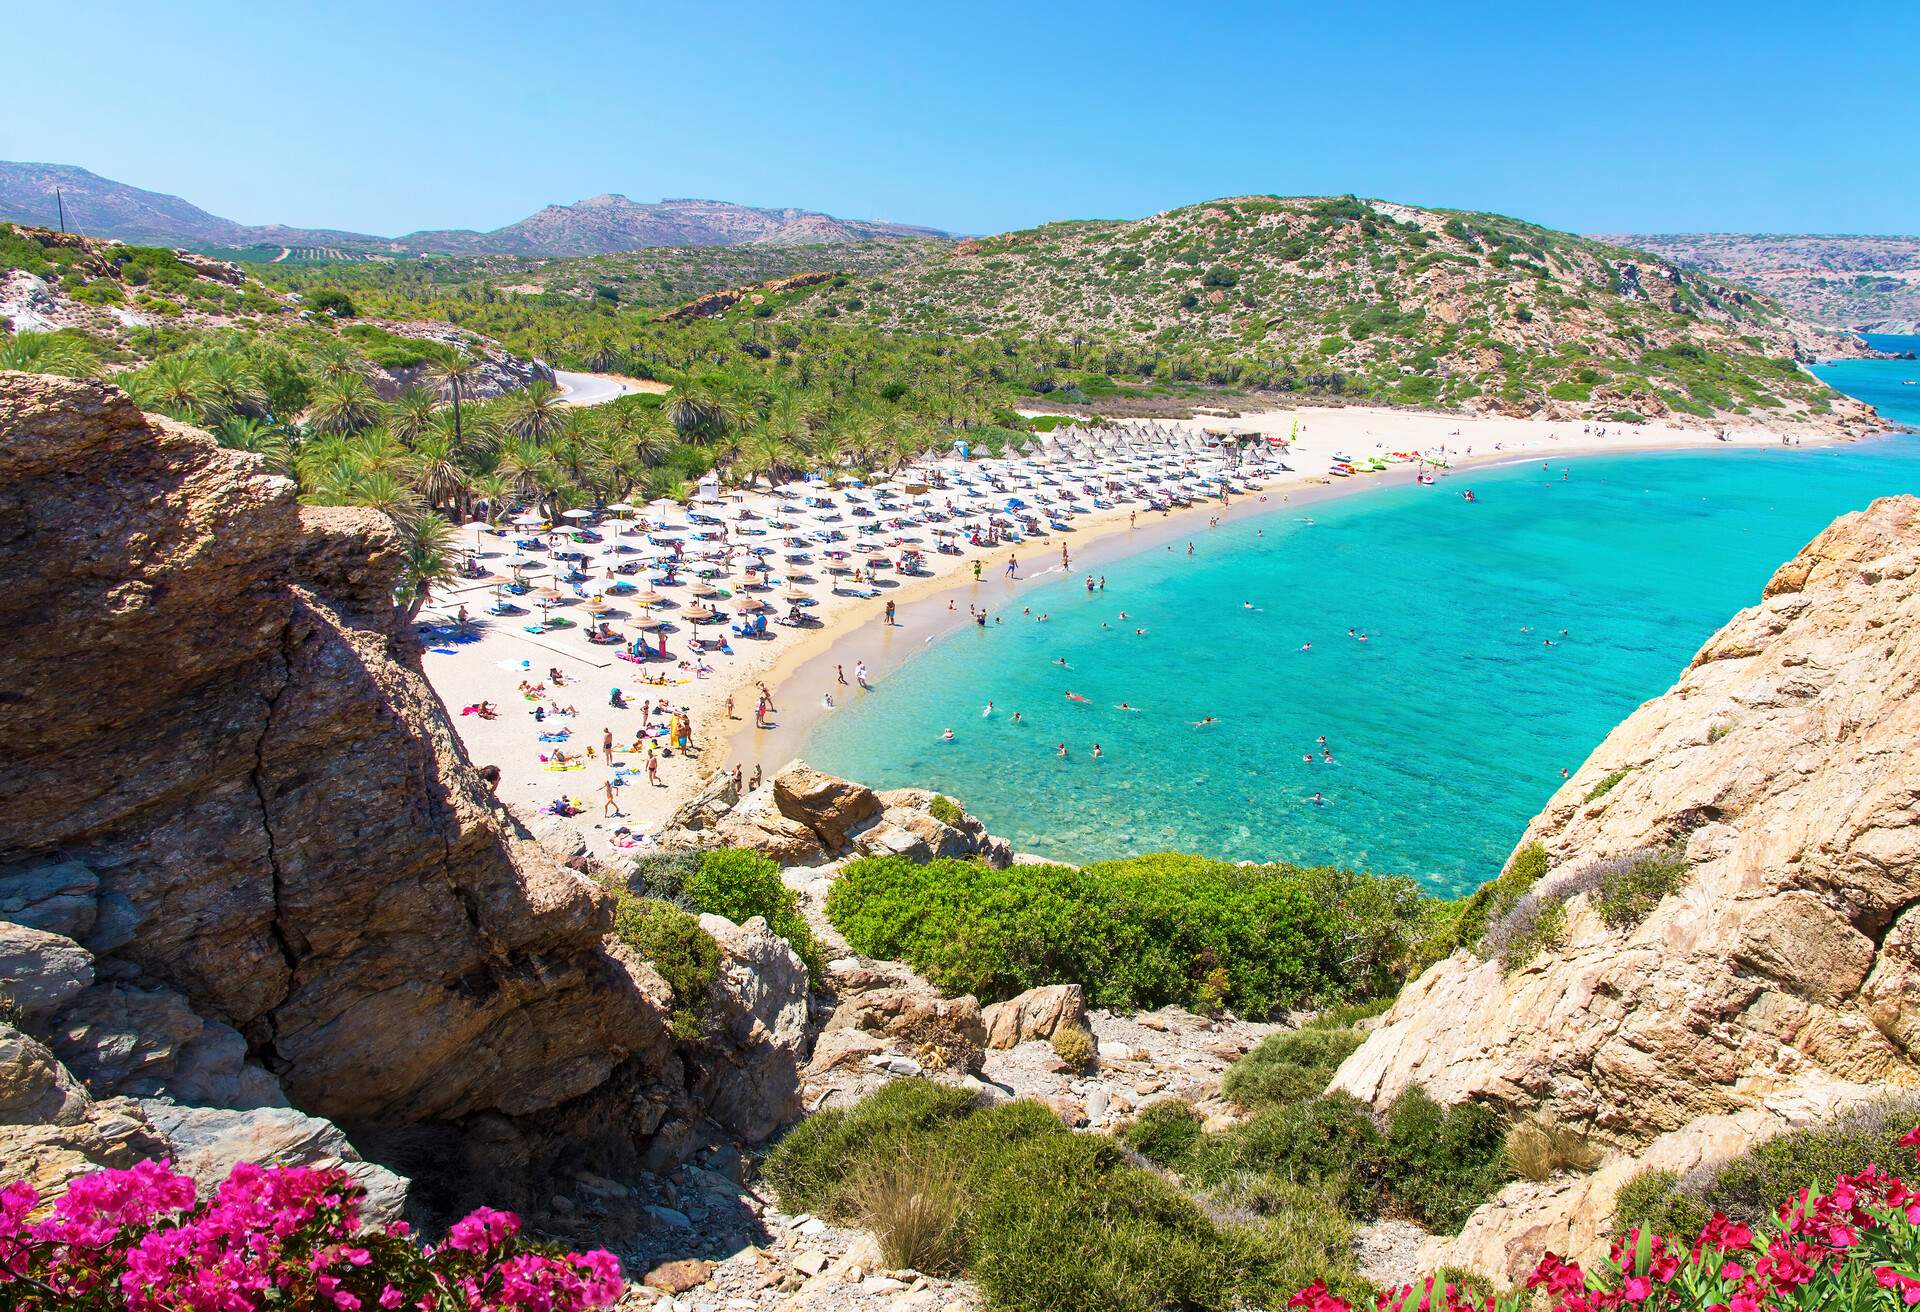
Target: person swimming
(1124, 707)
(1205, 721)
(1016, 717)
(947, 737)
(1061, 661)
(1061, 752)
(1076, 697)
(1316, 800)
(1097, 753)
(986, 710)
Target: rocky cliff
(1782, 980)
(243, 858)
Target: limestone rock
(206, 1143)
(943, 1033)
(1785, 764)
(48, 1156)
(1035, 1014)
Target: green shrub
(672, 941)
(664, 876)
(1042, 1219)
(1631, 888)
(739, 883)
(1441, 1162)
(1330, 1143)
(1532, 928)
(1164, 1132)
(1349, 1014)
(1654, 1201)
(1136, 933)
(1608, 784)
(1289, 1068)
(946, 810)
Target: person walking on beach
(889, 614)
(860, 674)
(1013, 567)
(612, 807)
(840, 674)
(606, 744)
(976, 571)
(1066, 561)
(653, 768)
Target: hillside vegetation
(1371, 300)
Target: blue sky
(390, 117)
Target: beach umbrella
(748, 605)
(702, 614)
(577, 513)
(649, 599)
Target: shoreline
(799, 668)
(798, 679)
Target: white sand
(851, 626)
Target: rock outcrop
(1780, 982)
(243, 858)
(803, 816)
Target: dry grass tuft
(1538, 1149)
(916, 1209)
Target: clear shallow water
(1449, 726)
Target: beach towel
(565, 767)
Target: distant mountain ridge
(599, 225)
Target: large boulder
(1035, 1014)
(760, 1007)
(1784, 768)
(206, 1143)
(824, 804)
(290, 837)
(940, 1033)
(41, 972)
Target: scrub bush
(1288, 1068)
(1137, 933)
(672, 941)
(739, 883)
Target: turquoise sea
(1448, 726)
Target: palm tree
(345, 403)
(426, 547)
(48, 353)
(178, 387)
(698, 410)
(411, 417)
(534, 412)
(390, 495)
(454, 375)
(240, 433)
(232, 383)
(494, 490)
(642, 429)
(438, 476)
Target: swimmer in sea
(1096, 751)
(1124, 707)
(1317, 800)
(1306, 646)
(947, 736)
(1062, 752)
(1308, 758)
(1061, 661)
(1016, 717)
(987, 711)
(1203, 723)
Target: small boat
(1425, 480)
(1341, 471)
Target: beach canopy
(528, 518)
(577, 513)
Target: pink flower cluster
(1855, 1247)
(137, 1240)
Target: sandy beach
(798, 665)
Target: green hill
(1366, 300)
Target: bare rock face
(228, 778)
(753, 1081)
(1035, 1014)
(1786, 765)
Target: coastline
(798, 669)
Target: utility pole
(61, 205)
